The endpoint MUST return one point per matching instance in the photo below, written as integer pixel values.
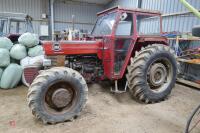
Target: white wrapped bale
(25, 62)
(18, 52)
(35, 51)
(4, 57)
(29, 40)
(5, 43)
(1, 72)
(28, 61)
(11, 76)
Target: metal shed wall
(181, 23)
(34, 8)
(124, 3)
(85, 14)
(168, 6)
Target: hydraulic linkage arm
(190, 8)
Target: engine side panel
(73, 48)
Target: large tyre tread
(136, 68)
(33, 91)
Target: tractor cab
(12, 25)
(120, 29)
(119, 21)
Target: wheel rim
(60, 97)
(159, 75)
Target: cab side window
(125, 26)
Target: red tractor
(120, 48)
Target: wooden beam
(190, 83)
(176, 14)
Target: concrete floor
(104, 113)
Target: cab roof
(139, 10)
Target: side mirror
(196, 31)
(123, 16)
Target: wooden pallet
(186, 82)
(191, 61)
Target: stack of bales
(12, 57)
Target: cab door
(123, 43)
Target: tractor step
(117, 90)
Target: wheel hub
(158, 74)
(61, 98)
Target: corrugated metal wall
(124, 3)
(181, 23)
(168, 6)
(32, 7)
(85, 14)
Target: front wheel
(57, 95)
(152, 73)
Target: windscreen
(104, 25)
(148, 25)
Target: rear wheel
(57, 95)
(152, 73)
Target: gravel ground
(105, 113)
